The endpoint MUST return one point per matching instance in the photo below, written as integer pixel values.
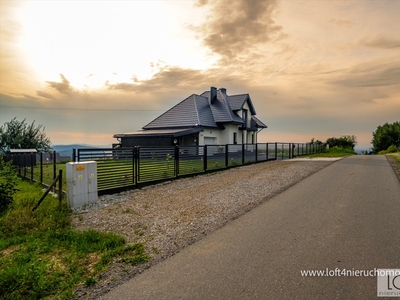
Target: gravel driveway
(173, 215)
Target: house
(212, 118)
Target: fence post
(205, 158)
(133, 166)
(60, 192)
(176, 163)
(137, 165)
(32, 155)
(242, 154)
(54, 165)
(226, 155)
(282, 150)
(24, 164)
(256, 152)
(276, 150)
(41, 167)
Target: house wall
(228, 134)
(209, 133)
(225, 136)
(246, 107)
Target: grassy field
(334, 152)
(41, 256)
(48, 173)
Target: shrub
(337, 149)
(390, 149)
(8, 182)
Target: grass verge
(41, 256)
(394, 159)
(333, 152)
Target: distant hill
(66, 150)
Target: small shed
(22, 157)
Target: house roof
(199, 110)
(221, 109)
(257, 123)
(193, 111)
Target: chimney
(223, 90)
(213, 94)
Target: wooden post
(45, 193)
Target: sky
(87, 70)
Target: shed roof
(160, 132)
(23, 151)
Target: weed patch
(41, 256)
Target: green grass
(395, 156)
(42, 256)
(48, 173)
(333, 152)
(394, 159)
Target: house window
(252, 138)
(235, 138)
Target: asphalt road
(346, 216)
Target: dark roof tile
(197, 111)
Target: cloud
(380, 41)
(45, 95)
(233, 28)
(171, 79)
(342, 23)
(371, 75)
(62, 87)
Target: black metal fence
(124, 168)
(37, 167)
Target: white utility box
(81, 183)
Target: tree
(19, 135)
(386, 136)
(346, 141)
(313, 141)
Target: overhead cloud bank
(233, 28)
(313, 70)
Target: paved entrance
(346, 216)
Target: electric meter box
(81, 183)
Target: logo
(388, 282)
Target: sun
(93, 42)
